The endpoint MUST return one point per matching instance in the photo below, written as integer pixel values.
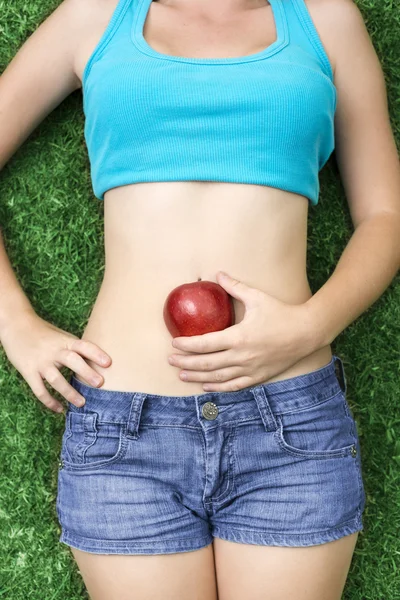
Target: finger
(91, 351)
(213, 377)
(231, 386)
(205, 362)
(208, 342)
(59, 383)
(76, 363)
(39, 389)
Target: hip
(291, 446)
(139, 349)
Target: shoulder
(88, 20)
(341, 26)
(365, 147)
(344, 13)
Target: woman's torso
(159, 235)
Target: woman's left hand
(271, 337)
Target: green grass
(53, 230)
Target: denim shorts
(275, 464)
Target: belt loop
(264, 408)
(340, 373)
(89, 422)
(132, 428)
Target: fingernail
(104, 361)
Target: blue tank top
(265, 118)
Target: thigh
(179, 576)
(283, 573)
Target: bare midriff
(159, 235)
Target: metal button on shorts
(209, 410)
(268, 445)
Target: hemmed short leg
(266, 538)
(157, 547)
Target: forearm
(13, 302)
(366, 268)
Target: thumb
(235, 288)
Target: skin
(174, 229)
(270, 238)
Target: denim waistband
(282, 396)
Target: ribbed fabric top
(265, 118)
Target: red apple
(197, 308)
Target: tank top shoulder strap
(303, 32)
(120, 21)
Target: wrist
(16, 319)
(316, 335)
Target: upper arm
(39, 77)
(365, 147)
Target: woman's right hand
(37, 349)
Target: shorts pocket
(89, 443)
(324, 430)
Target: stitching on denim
(58, 502)
(353, 427)
(317, 454)
(90, 433)
(227, 490)
(307, 384)
(240, 422)
(358, 465)
(265, 409)
(235, 422)
(310, 406)
(203, 449)
(233, 460)
(66, 436)
(197, 428)
(121, 452)
(119, 544)
(287, 534)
